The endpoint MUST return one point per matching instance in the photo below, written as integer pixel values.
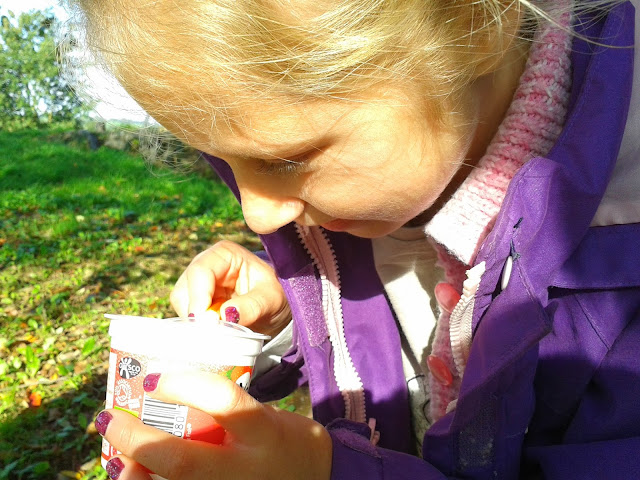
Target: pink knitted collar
(530, 127)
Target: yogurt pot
(141, 345)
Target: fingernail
(192, 317)
(102, 422)
(231, 315)
(446, 296)
(150, 382)
(114, 468)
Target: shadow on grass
(55, 439)
(41, 442)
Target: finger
(124, 468)
(201, 286)
(263, 310)
(211, 275)
(232, 408)
(159, 451)
(246, 309)
(179, 296)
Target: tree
(33, 92)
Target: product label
(129, 367)
(125, 392)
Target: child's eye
(288, 165)
(282, 167)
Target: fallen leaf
(89, 465)
(35, 400)
(91, 429)
(79, 367)
(69, 474)
(30, 338)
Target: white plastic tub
(141, 345)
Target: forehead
(280, 128)
(257, 129)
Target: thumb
(230, 406)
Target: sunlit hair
(203, 60)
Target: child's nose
(266, 214)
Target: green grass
(83, 234)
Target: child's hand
(242, 280)
(260, 441)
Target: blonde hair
(203, 58)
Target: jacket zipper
(461, 318)
(347, 378)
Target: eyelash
(286, 167)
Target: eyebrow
(282, 150)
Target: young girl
(447, 194)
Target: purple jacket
(552, 385)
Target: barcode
(166, 416)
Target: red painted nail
(439, 370)
(150, 382)
(102, 422)
(114, 468)
(231, 314)
(447, 296)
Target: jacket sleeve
(354, 456)
(279, 369)
(606, 459)
(276, 347)
(284, 377)
(273, 351)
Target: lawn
(84, 233)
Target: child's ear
(496, 39)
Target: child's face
(365, 168)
